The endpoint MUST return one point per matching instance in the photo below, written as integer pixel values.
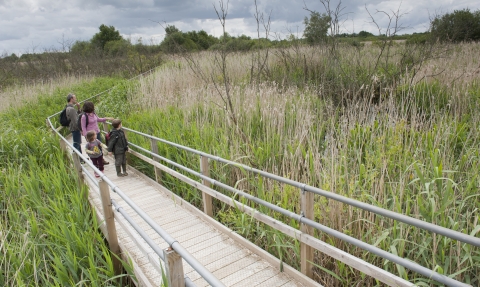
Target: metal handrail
(207, 275)
(365, 206)
(300, 218)
(462, 237)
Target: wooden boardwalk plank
(229, 261)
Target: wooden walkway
(232, 259)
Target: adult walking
(72, 112)
(93, 120)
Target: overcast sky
(28, 26)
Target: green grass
(49, 234)
(416, 153)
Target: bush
(459, 26)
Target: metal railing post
(306, 251)
(154, 149)
(110, 222)
(207, 198)
(174, 268)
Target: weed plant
(48, 232)
(414, 151)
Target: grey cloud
(44, 22)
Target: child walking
(94, 150)
(119, 146)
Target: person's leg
(99, 136)
(124, 164)
(96, 162)
(118, 164)
(77, 140)
(100, 163)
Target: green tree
(171, 29)
(176, 41)
(316, 27)
(364, 34)
(106, 34)
(461, 25)
(117, 48)
(82, 48)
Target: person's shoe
(120, 175)
(105, 162)
(97, 175)
(125, 174)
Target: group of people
(117, 144)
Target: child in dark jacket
(94, 150)
(118, 145)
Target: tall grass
(48, 232)
(17, 96)
(414, 152)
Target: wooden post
(54, 132)
(127, 153)
(306, 251)
(105, 127)
(207, 198)
(78, 168)
(63, 146)
(154, 149)
(174, 268)
(110, 222)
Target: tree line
(108, 53)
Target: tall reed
(49, 234)
(414, 152)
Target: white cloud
(41, 24)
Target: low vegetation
(414, 152)
(48, 232)
(386, 123)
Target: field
(391, 125)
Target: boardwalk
(231, 259)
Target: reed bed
(414, 152)
(17, 96)
(49, 235)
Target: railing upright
(154, 149)
(110, 222)
(306, 251)
(207, 198)
(78, 169)
(105, 127)
(63, 146)
(174, 268)
(129, 160)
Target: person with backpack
(118, 145)
(89, 122)
(72, 116)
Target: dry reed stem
(288, 115)
(17, 96)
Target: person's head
(71, 98)
(88, 107)
(116, 124)
(91, 135)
